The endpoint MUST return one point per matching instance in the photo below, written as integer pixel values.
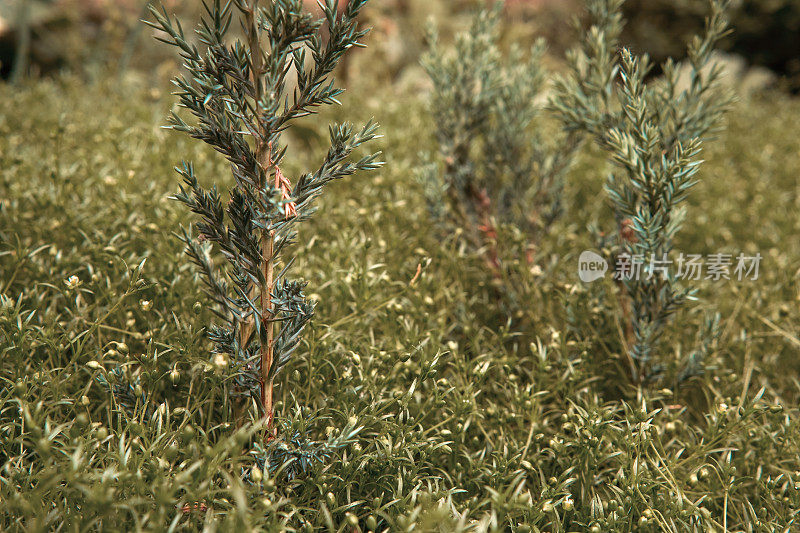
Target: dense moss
(470, 420)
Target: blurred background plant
(497, 163)
(653, 133)
(84, 35)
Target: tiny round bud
(73, 282)
(187, 433)
(256, 475)
(197, 308)
(569, 504)
(43, 445)
(171, 452)
(220, 361)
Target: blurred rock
(738, 75)
(757, 79)
(765, 32)
(551, 19)
(63, 31)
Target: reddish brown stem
(267, 247)
(488, 231)
(627, 234)
(264, 160)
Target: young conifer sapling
(497, 167)
(244, 93)
(653, 132)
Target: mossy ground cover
(474, 412)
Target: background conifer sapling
(652, 132)
(496, 166)
(243, 94)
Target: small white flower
(72, 282)
(146, 305)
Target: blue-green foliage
(495, 164)
(652, 132)
(243, 98)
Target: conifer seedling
(244, 93)
(497, 167)
(653, 131)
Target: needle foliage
(495, 165)
(244, 95)
(653, 133)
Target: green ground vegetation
(468, 414)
